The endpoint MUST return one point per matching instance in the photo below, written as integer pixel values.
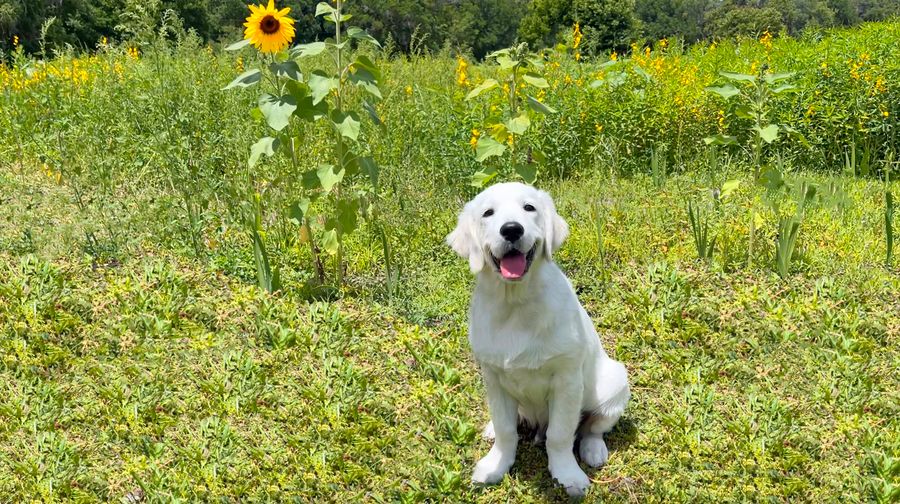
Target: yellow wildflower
(664, 43)
(409, 90)
(462, 73)
(885, 113)
(15, 41)
(576, 36)
(766, 40)
(614, 56)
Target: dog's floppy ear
(555, 228)
(464, 240)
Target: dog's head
(507, 227)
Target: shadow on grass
(531, 468)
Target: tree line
(412, 26)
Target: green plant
(505, 133)
(889, 209)
(700, 230)
(344, 188)
(752, 94)
(658, 165)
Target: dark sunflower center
(269, 25)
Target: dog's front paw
(574, 480)
(488, 433)
(593, 451)
(491, 468)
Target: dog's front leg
(504, 415)
(565, 412)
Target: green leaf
(773, 78)
(360, 34)
(728, 188)
(720, 139)
(506, 62)
(237, 46)
(347, 213)
(265, 145)
(481, 178)
(739, 77)
(519, 125)
(306, 110)
(365, 74)
(330, 241)
(310, 180)
(347, 124)
(297, 210)
(528, 172)
(726, 91)
(784, 88)
(373, 114)
(744, 111)
(370, 168)
(540, 107)
(288, 69)
(487, 85)
(769, 134)
(796, 135)
(536, 80)
(324, 8)
(327, 177)
(246, 79)
(643, 73)
(488, 147)
(277, 110)
(311, 49)
(320, 84)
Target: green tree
(606, 24)
(666, 18)
(737, 17)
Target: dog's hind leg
(612, 396)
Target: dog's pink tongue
(512, 266)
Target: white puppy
(539, 354)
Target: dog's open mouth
(514, 264)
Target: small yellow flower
(577, 56)
(103, 41)
(664, 43)
(598, 127)
(462, 73)
(474, 140)
(568, 79)
(15, 41)
(269, 29)
(576, 36)
(510, 140)
(133, 52)
(239, 64)
(766, 40)
(885, 113)
(615, 56)
(409, 90)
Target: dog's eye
(488, 212)
(529, 208)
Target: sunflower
(269, 29)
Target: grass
(147, 374)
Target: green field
(142, 361)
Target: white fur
(539, 354)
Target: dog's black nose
(512, 231)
